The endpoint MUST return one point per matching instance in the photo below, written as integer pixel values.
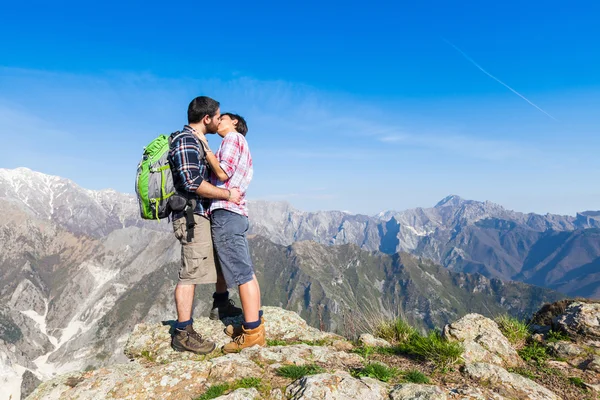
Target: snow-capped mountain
(80, 211)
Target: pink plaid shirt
(236, 161)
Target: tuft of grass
(437, 349)
(213, 392)
(534, 351)
(557, 336)
(364, 351)
(298, 371)
(377, 371)
(577, 382)
(218, 390)
(395, 331)
(148, 356)
(523, 372)
(276, 342)
(515, 330)
(416, 376)
(247, 383)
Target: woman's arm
(213, 162)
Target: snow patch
(10, 381)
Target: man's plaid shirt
(236, 161)
(189, 168)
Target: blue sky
(353, 106)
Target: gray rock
(366, 339)
(472, 393)
(337, 386)
(594, 364)
(29, 383)
(580, 320)
(482, 340)
(508, 384)
(564, 349)
(413, 391)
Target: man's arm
(209, 191)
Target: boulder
(508, 384)
(580, 320)
(594, 364)
(366, 339)
(301, 354)
(482, 340)
(337, 386)
(564, 349)
(153, 341)
(467, 392)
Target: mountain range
(80, 269)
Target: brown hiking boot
(235, 331)
(225, 309)
(190, 340)
(248, 338)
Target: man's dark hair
(200, 107)
(241, 126)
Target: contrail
(496, 79)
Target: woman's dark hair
(241, 126)
(200, 107)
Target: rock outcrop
(580, 320)
(329, 368)
(509, 384)
(482, 340)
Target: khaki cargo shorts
(197, 257)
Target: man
(232, 167)
(190, 177)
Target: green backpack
(154, 180)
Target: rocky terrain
(301, 362)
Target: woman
(231, 167)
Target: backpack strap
(190, 205)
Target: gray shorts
(197, 257)
(231, 246)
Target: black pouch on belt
(189, 219)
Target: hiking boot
(234, 331)
(248, 338)
(224, 309)
(190, 340)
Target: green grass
(435, 348)
(416, 376)
(407, 340)
(298, 371)
(247, 383)
(377, 371)
(556, 336)
(219, 390)
(577, 382)
(523, 372)
(515, 330)
(277, 342)
(395, 331)
(148, 356)
(534, 352)
(214, 391)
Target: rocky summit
(302, 362)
